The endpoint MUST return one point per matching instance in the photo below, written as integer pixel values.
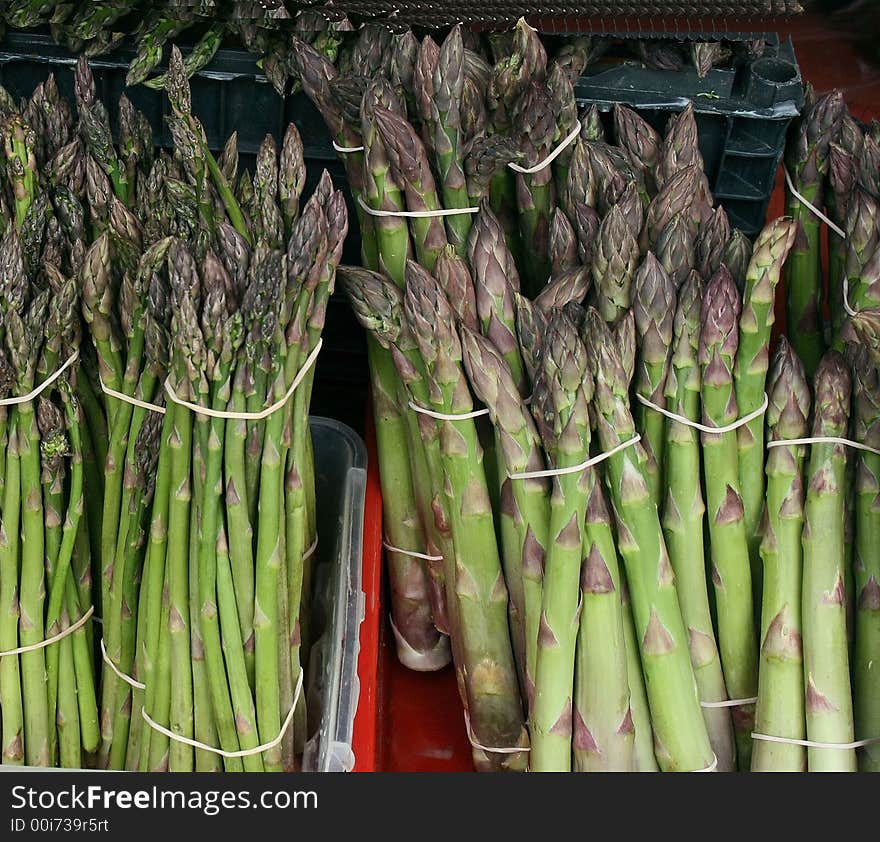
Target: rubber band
(487, 749)
(311, 550)
(711, 767)
(133, 682)
(813, 744)
(705, 428)
(807, 203)
(729, 703)
(563, 145)
(345, 150)
(44, 385)
(54, 639)
(249, 416)
(411, 553)
(574, 469)
(847, 307)
(857, 445)
(447, 416)
(416, 214)
(121, 396)
(247, 752)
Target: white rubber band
(729, 703)
(416, 214)
(487, 749)
(119, 673)
(345, 150)
(847, 307)
(311, 550)
(44, 385)
(711, 767)
(825, 440)
(121, 396)
(574, 469)
(249, 416)
(54, 639)
(447, 416)
(241, 753)
(552, 156)
(410, 553)
(705, 428)
(807, 203)
(812, 744)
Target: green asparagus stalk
(770, 252)
(644, 759)
(683, 511)
(409, 163)
(731, 572)
(676, 250)
(447, 114)
(561, 408)
(526, 502)
(866, 427)
(807, 162)
(829, 706)
(493, 700)
(780, 709)
(496, 281)
(654, 310)
(680, 737)
(614, 265)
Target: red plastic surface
(420, 725)
(364, 738)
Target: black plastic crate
(743, 114)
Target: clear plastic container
(333, 688)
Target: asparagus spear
(867, 575)
(378, 305)
(737, 256)
(680, 737)
(771, 250)
(731, 573)
(829, 707)
(23, 340)
(535, 192)
(493, 703)
(807, 162)
(525, 503)
(496, 281)
(447, 116)
(683, 518)
(676, 250)
(411, 167)
(654, 311)
(199, 57)
(780, 709)
(643, 739)
(614, 265)
(561, 408)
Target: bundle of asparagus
(47, 669)
(205, 554)
(186, 421)
(604, 626)
(834, 174)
